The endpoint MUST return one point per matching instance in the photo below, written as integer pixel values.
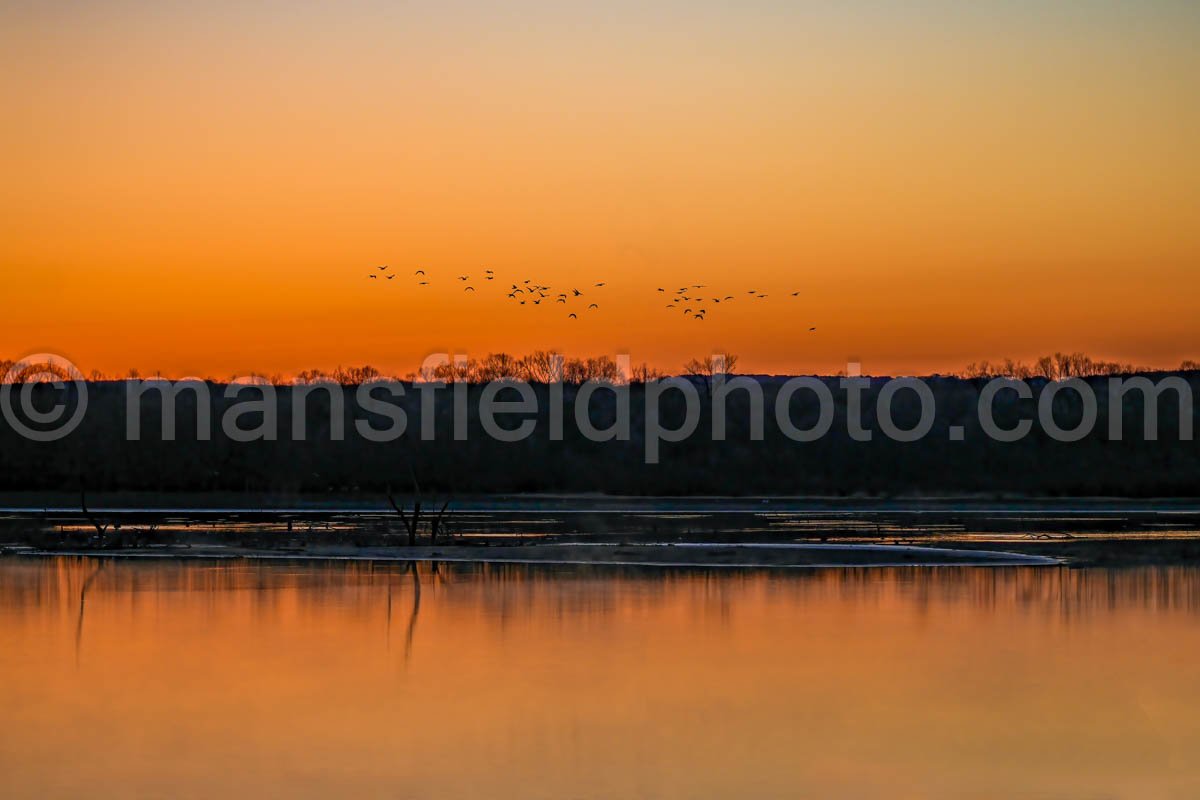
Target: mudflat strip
(693, 554)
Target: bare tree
(603, 368)
(458, 371)
(644, 373)
(313, 376)
(496, 366)
(356, 376)
(1055, 367)
(36, 372)
(1007, 369)
(541, 366)
(412, 519)
(710, 367)
(101, 529)
(600, 368)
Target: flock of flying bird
(697, 308)
(530, 292)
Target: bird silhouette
(469, 289)
(419, 272)
(422, 283)
(389, 277)
(381, 269)
(600, 284)
(795, 294)
(810, 330)
(464, 277)
(593, 305)
(572, 316)
(577, 292)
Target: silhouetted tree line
(542, 366)
(1060, 366)
(99, 453)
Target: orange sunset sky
(203, 188)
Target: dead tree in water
(412, 521)
(436, 524)
(101, 530)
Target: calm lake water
(131, 678)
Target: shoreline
(369, 503)
(658, 531)
(680, 555)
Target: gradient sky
(202, 188)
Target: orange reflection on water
(244, 678)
